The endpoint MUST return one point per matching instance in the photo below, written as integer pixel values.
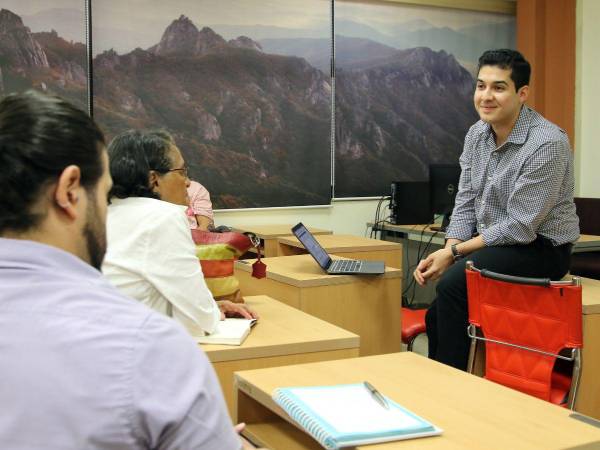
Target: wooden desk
(269, 234)
(474, 413)
(417, 242)
(368, 305)
(588, 397)
(415, 238)
(348, 246)
(585, 243)
(282, 336)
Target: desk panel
(474, 413)
(269, 233)
(282, 336)
(369, 306)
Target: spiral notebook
(347, 415)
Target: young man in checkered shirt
(514, 211)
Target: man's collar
(518, 134)
(26, 254)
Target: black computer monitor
(443, 186)
(410, 203)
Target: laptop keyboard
(345, 265)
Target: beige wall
(350, 216)
(343, 217)
(587, 99)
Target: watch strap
(455, 253)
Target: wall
(587, 99)
(343, 217)
(546, 35)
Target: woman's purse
(217, 253)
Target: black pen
(377, 395)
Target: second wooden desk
(282, 336)
(474, 413)
(369, 306)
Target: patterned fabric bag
(217, 253)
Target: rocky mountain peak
(245, 42)
(182, 37)
(108, 59)
(209, 42)
(9, 21)
(17, 44)
(179, 37)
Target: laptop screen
(311, 244)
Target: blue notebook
(347, 415)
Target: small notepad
(348, 415)
(231, 331)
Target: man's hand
(246, 444)
(230, 309)
(432, 267)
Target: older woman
(151, 255)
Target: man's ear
(523, 93)
(66, 195)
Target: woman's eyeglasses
(183, 170)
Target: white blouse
(151, 257)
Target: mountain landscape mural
(253, 127)
(251, 111)
(41, 60)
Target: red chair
(527, 324)
(413, 324)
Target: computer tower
(410, 203)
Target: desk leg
(271, 247)
(588, 397)
(289, 250)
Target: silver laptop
(338, 266)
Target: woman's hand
(230, 309)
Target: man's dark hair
(508, 59)
(132, 155)
(40, 135)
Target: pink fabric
(200, 203)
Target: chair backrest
(537, 318)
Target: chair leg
(575, 378)
(472, 331)
(409, 345)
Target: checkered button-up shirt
(518, 191)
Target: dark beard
(94, 233)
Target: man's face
(94, 229)
(496, 99)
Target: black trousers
(447, 317)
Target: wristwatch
(455, 253)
